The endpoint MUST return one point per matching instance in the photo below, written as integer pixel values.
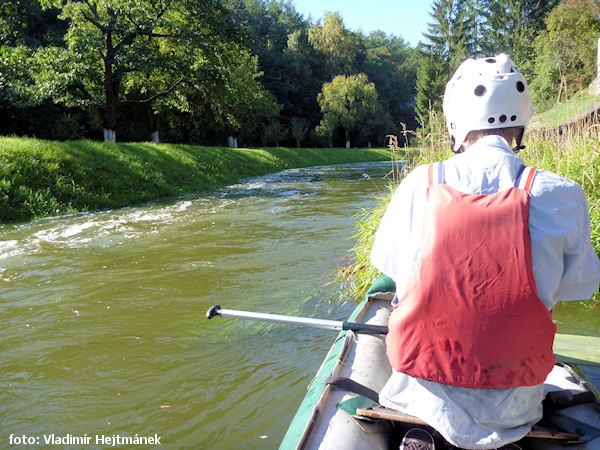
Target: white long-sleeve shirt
(565, 267)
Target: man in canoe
(481, 249)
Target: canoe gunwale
(302, 425)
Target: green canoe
(334, 418)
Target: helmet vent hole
(491, 120)
(480, 90)
(502, 118)
(513, 118)
(520, 86)
(490, 60)
(512, 69)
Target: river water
(103, 314)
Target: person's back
(486, 411)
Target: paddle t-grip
(213, 311)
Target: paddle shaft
(333, 325)
(564, 345)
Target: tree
(273, 133)
(391, 65)
(450, 35)
(566, 50)
(23, 22)
(109, 41)
(508, 30)
(511, 27)
(293, 70)
(298, 129)
(476, 21)
(236, 99)
(431, 82)
(449, 41)
(15, 80)
(347, 101)
(340, 46)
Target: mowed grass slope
(45, 178)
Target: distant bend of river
(103, 314)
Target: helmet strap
(519, 141)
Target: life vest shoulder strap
(525, 178)
(436, 173)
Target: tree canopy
(349, 102)
(566, 50)
(541, 37)
(257, 71)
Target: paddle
(333, 325)
(567, 348)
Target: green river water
(103, 315)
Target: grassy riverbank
(46, 178)
(575, 155)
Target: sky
(405, 18)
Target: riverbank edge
(40, 178)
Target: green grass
(563, 112)
(46, 178)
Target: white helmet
(485, 94)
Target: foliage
(45, 178)
(191, 69)
(200, 70)
(511, 27)
(431, 82)
(448, 44)
(273, 133)
(298, 129)
(391, 64)
(340, 46)
(508, 31)
(15, 80)
(144, 52)
(566, 50)
(236, 99)
(349, 102)
(23, 22)
(292, 70)
(475, 28)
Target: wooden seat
(380, 412)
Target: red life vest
(471, 316)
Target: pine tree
(511, 27)
(449, 34)
(449, 42)
(508, 29)
(476, 25)
(431, 81)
